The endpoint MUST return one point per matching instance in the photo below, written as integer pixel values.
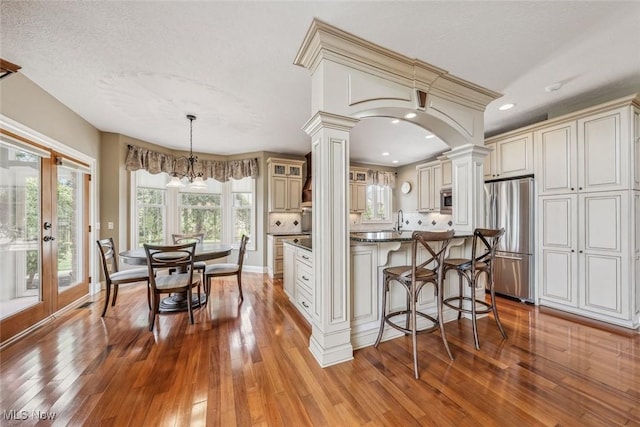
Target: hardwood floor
(248, 364)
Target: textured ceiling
(137, 68)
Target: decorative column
(468, 196)
(468, 186)
(331, 328)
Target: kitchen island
(371, 253)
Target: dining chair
(115, 277)
(188, 238)
(178, 257)
(221, 270)
(413, 278)
(483, 253)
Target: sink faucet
(400, 220)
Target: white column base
(335, 349)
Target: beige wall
(27, 103)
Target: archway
(352, 79)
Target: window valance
(220, 170)
(385, 179)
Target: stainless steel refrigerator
(509, 204)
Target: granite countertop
(301, 243)
(301, 233)
(391, 236)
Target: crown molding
(325, 42)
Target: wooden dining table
(178, 301)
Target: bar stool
(413, 278)
(483, 252)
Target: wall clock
(406, 187)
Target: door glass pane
(70, 222)
(20, 266)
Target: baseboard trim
(44, 322)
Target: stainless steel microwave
(446, 201)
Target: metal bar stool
(413, 278)
(483, 252)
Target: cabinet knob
(579, 188)
(572, 189)
(573, 250)
(580, 251)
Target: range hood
(306, 188)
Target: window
(242, 195)
(378, 204)
(223, 212)
(151, 208)
(201, 212)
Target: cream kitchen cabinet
(512, 156)
(447, 180)
(275, 253)
(358, 190)
(304, 283)
(298, 278)
(289, 273)
(588, 254)
(584, 155)
(583, 255)
(285, 185)
(429, 186)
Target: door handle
(46, 225)
(48, 238)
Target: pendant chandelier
(195, 179)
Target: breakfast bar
(371, 253)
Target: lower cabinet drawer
(304, 277)
(303, 300)
(304, 256)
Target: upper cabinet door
(490, 162)
(278, 194)
(425, 184)
(436, 177)
(602, 140)
(447, 180)
(556, 159)
(515, 156)
(294, 196)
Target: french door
(44, 233)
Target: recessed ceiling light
(394, 161)
(409, 115)
(506, 107)
(430, 136)
(385, 154)
(395, 121)
(553, 87)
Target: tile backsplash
(412, 221)
(285, 222)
